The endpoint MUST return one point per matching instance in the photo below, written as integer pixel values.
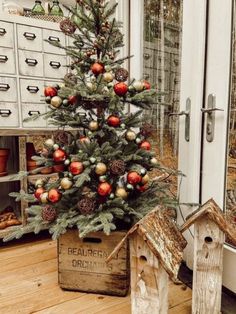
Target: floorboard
(28, 285)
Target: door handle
(210, 121)
(185, 113)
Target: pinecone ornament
(67, 26)
(117, 167)
(147, 130)
(49, 213)
(121, 75)
(86, 206)
(63, 138)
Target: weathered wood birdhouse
(210, 228)
(156, 247)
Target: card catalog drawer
(9, 116)
(29, 38)
(7, 61)
(54, 66)
(32, 91)
(6, 35)
(30, 110)
(53, 36)
(30, 63)
(8, 90)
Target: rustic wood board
(39, 292)
(81, 263)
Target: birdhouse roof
(162, 237)
(214, 213)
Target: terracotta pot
(47, 170)
(59, 168)
(4, 154)
(31, 165)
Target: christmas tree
(105, 184)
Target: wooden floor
(28, 284)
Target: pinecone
(86, 206)
(67, 26)
(70, 78)
(63, 138)
(117, 167)
(49, 213)
(121, 75)
(147, 130)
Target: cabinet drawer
(29, 110)
(30, 63)
(31, 91)
(6, 35)
(29, 38)
(53, 36)
(8, 90)
(54, 66)
(9, 116)
(7, 61)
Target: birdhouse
(156, 249)
(210, 228)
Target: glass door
(218, 155)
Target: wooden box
(82, 263)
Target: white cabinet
(28, 62)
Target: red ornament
(72, 100)
(97, 68)
(50, 91)
(146, 85)
(39, 192)
(120, 89)
(76, 167)
(113, 121)
(104, 189)
(134, 178)
(54, 195)
(142, 188)
(85, 139)
(59, 155)
(145, 145)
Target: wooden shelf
(34, 177)
(7, 178)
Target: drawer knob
(29, 36)
(33, 89)
(55, 65)
(4, 87)
(2, 31)
(53, 38)
(3, 59)
(146, 56)
(31, 62)
(5, 112)
(33, 112)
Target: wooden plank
(149, 280)
(81, 262)
(208, 266)
(183, 308)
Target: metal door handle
(29, 36)
(4, 87)
(5, 112)
(185, 113)
(3, 59)
(31, 62)
(210, 120)
(55, 65)
(32, 112)
(2, 31)
(53, 38)
(33, 89)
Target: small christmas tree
(106, 156)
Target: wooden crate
(82, 266)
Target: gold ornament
(108, 77)
(130, 135)
(138, 86)
(56, 101)
(66, 183)
(121, 192)
(145, 179)
(93, 125)
(90, 86)
(154, 161)
(44, 198)
(100, 169)
(39, 183)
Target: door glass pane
(230, 206)
(161, 67)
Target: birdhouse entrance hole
(208, 240)
(92, 240)
(143, 259)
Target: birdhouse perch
(156, 250)
(210, 228)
